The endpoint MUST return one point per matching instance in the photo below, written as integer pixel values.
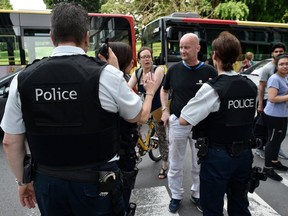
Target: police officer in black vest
(128, 131)
(68, 107)
(227, 103)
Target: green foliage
(232, 10)
(5, 4)
(285, 17)
(267, 10)
(90, 6)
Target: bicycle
(150, 144)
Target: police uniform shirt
(205, 101)
(114, 93)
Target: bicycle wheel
(154, 152)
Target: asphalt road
(152, 195)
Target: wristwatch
(20, 183)
(164, 108)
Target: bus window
(257, 37)
(37, 44)
(108, 27)
(25, 36)
(9, 50)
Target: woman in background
(144, 57)
(276, 113)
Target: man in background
(183, 80)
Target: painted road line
(285, 178)
(257, 206)
(152, 201)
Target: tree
(145, 11)
(5, 4)
(90, 6)
(231, 10)
(267, 11)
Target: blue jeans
(219, 174)
(57, 197)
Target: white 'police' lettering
(55, 94)
(241, 103)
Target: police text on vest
(241, 103)
(55, 94)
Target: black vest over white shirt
(234, 120)
(65, 123)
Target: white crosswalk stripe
(157, 200)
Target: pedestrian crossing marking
(257, 206)
(156, 201)
(285, 178)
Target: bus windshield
(25, 36)
(164, 33)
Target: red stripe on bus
(210, 21)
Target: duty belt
(87, 175)
(234, 148)
(245, 145)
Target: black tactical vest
(234, 120)
(64, 120)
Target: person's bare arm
(149, 85)
(182, 121)
(133, 80)
(165, 109)
(261, 90)
(159, 74)
(274, 97)
(15, 150)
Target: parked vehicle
(253, 72)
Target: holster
(235, 148)
(28, 173)
(129, 178)
(202, 145)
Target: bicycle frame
(145, 144)
(150, 143)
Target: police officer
(128, 131)
(227, 103)
(67, 107)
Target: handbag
(260, 128)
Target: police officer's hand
(112, 59)
(27, 195)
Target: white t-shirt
(264, 73)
